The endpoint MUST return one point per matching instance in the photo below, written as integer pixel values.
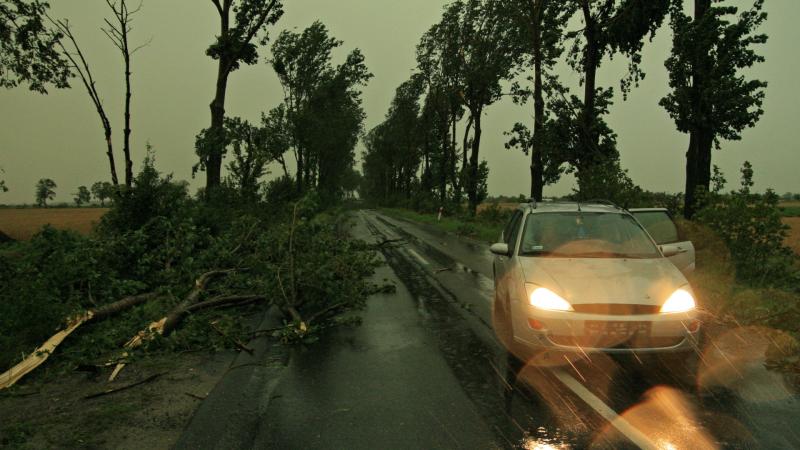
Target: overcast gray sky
(58, 136)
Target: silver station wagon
(589, 277)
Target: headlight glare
(544, 298)
(680, 301)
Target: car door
(501, 262)
(662, 228)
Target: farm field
(22, 223)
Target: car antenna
(533, 203)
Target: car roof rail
(602, 201)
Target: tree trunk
(110, 150)
(443, 169)
(126, 146)
(464, 160)
(454, 159)
(701, 139)
(589, 136)
(537, 162)
(472, 185)
(690, 200)
(214, 159)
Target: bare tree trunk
(81, 66)
(118, 34)
(126, 146)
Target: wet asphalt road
(424, 370)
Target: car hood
(605, 280)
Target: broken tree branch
(168, 323)
(40, 355)
(124, 388)
(239, 344)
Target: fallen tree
(168, 323)
(43, 352)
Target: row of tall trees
(319, 120)
(482, 48)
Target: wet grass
(476, 228)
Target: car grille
(611, 342)
(616, 309)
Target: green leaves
(236, 43)
(28, 49)
(322, 114)
(45, 190)
(718, 45)
(750, 225)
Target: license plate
(617, 329)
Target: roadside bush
(156, 238)
(494, 214)
(280, 191)
(750, 225)
(150, 197)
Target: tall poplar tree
(711, 99)
(243, 27)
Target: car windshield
(585, 235)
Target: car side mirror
(671, 250)
(499, 249)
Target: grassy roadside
(479, 228)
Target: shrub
(751, 226)
(494, 214)
(280, 191)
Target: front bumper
(578, 332)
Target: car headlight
(680, 301)
(544, 298)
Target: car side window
(659, 225)
(507, 229)
(513, 230)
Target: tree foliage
(45, 190)
(28, 48)
(750, 225)
(609, 27)
(540, 27)
(322, 112)
(102, 191)
(243, 28)
(83, 196)
(711, 99)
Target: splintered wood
(40, 355)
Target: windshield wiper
(544, 253)
(609, 255)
